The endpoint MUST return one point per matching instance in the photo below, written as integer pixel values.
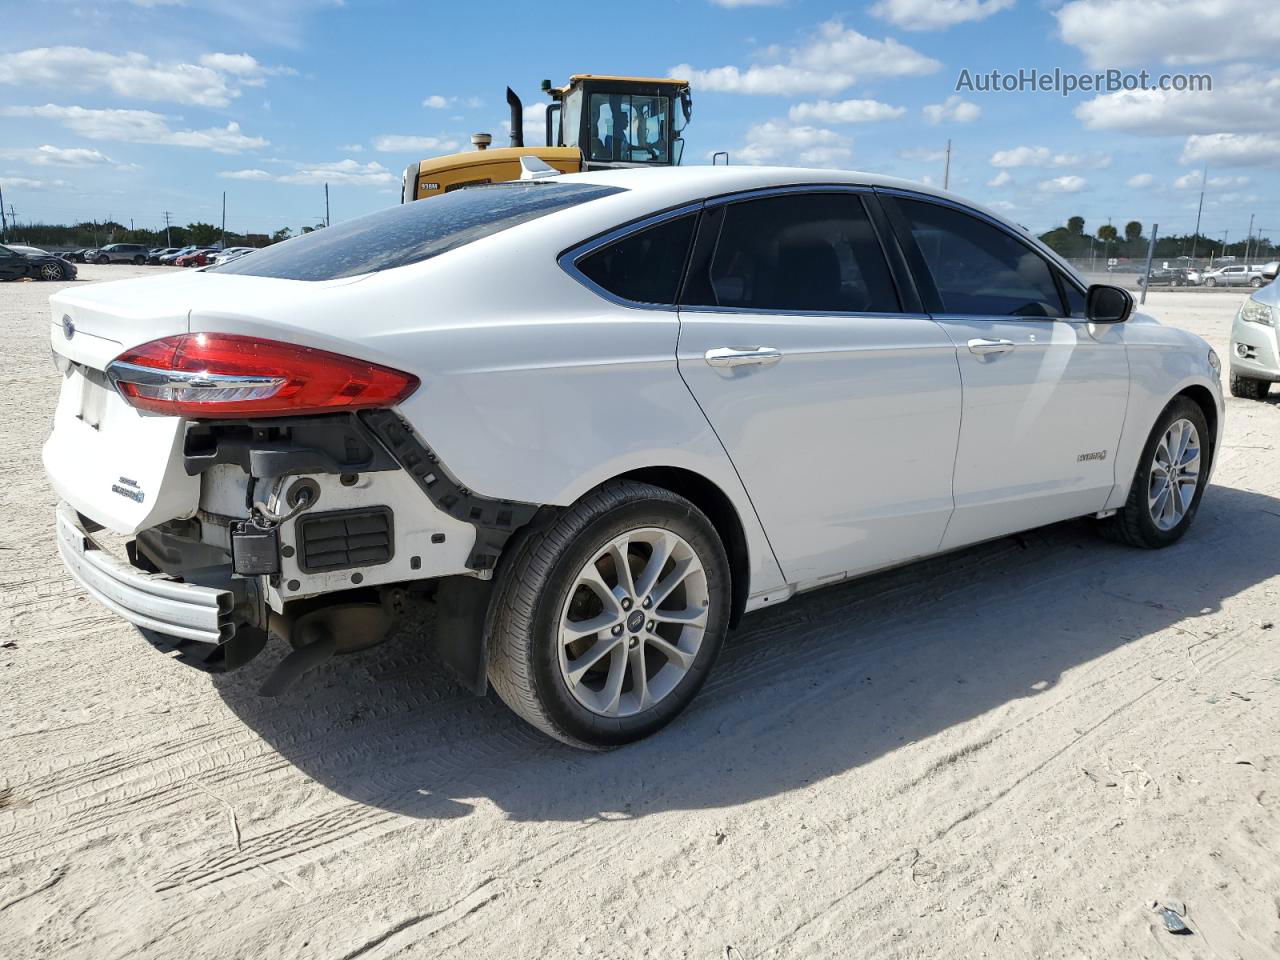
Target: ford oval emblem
(68, 327)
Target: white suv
(596, 419)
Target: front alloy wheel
(50, 271)
(1169, 481)
(606, 619)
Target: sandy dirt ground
(1007, 752)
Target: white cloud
(213, 82)
(1187, 181)
(1044, 157)
(1001, 179)
(1140, 180)
(777, 142)
(1121, 33)
(351, 148)
(397, 143)
(1190, 181)
(954, 109)
(1232, 149)
(437, 102)
(936, 14)
(1067, 184)
(1244, 99)
(139, 126)
(1021, 157)
(350, 172)
(844, 111)
(27, 183)
(1004, 205)
(831, 61)
(246, 175)
(51, 156)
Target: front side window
(412, 232)
(979, 268)
(628, 129)
(797, 252)
(645, 266)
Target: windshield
(411, 232)
(628, 129)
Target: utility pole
(4, 222)
(224, 220)
(946, 171)
(131, 224)
(326, 204)
(1204, 179)
(1249, 241)
(167, 242)
(1151, 249)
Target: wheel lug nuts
(635, 642)
(626, 603)
(651, 626)
(648, 602)
(617, 630)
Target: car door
(12, 266)
(1044, 390)
(838, 407)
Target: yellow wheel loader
(592, 123)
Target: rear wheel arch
(720, 510)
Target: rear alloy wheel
(604, 624)
(50, 271)
(1211, 282)
(1247, 388)
(1169, 481)
(1255, 282)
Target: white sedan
(596, 419)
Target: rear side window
(644, 267)
(979, 268)
(812, 252)
(412, 232)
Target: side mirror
(1107, 304)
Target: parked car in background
(1171, 277)
(18, 261)
(1255, 344)
(120, 253)
(596, 419)
(231, 253)
(1270, 270)
(196, 258)
(1234, 275)
(76, 256)
(169, 258)
(155, 255)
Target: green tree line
(1108, 241)
(91, 234)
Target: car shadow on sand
(822, 684)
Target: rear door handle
(740, 356)
(985, 347)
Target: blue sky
(128, 108)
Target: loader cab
(620, 121)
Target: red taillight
(218, 375)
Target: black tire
(533, 585)
(139, 260)
(102, 260)
(1133, 524)
(1256, 282)
(1211, 282)
(1247, 388)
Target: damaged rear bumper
(152, 601)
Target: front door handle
(986, 347)
(740, 356)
